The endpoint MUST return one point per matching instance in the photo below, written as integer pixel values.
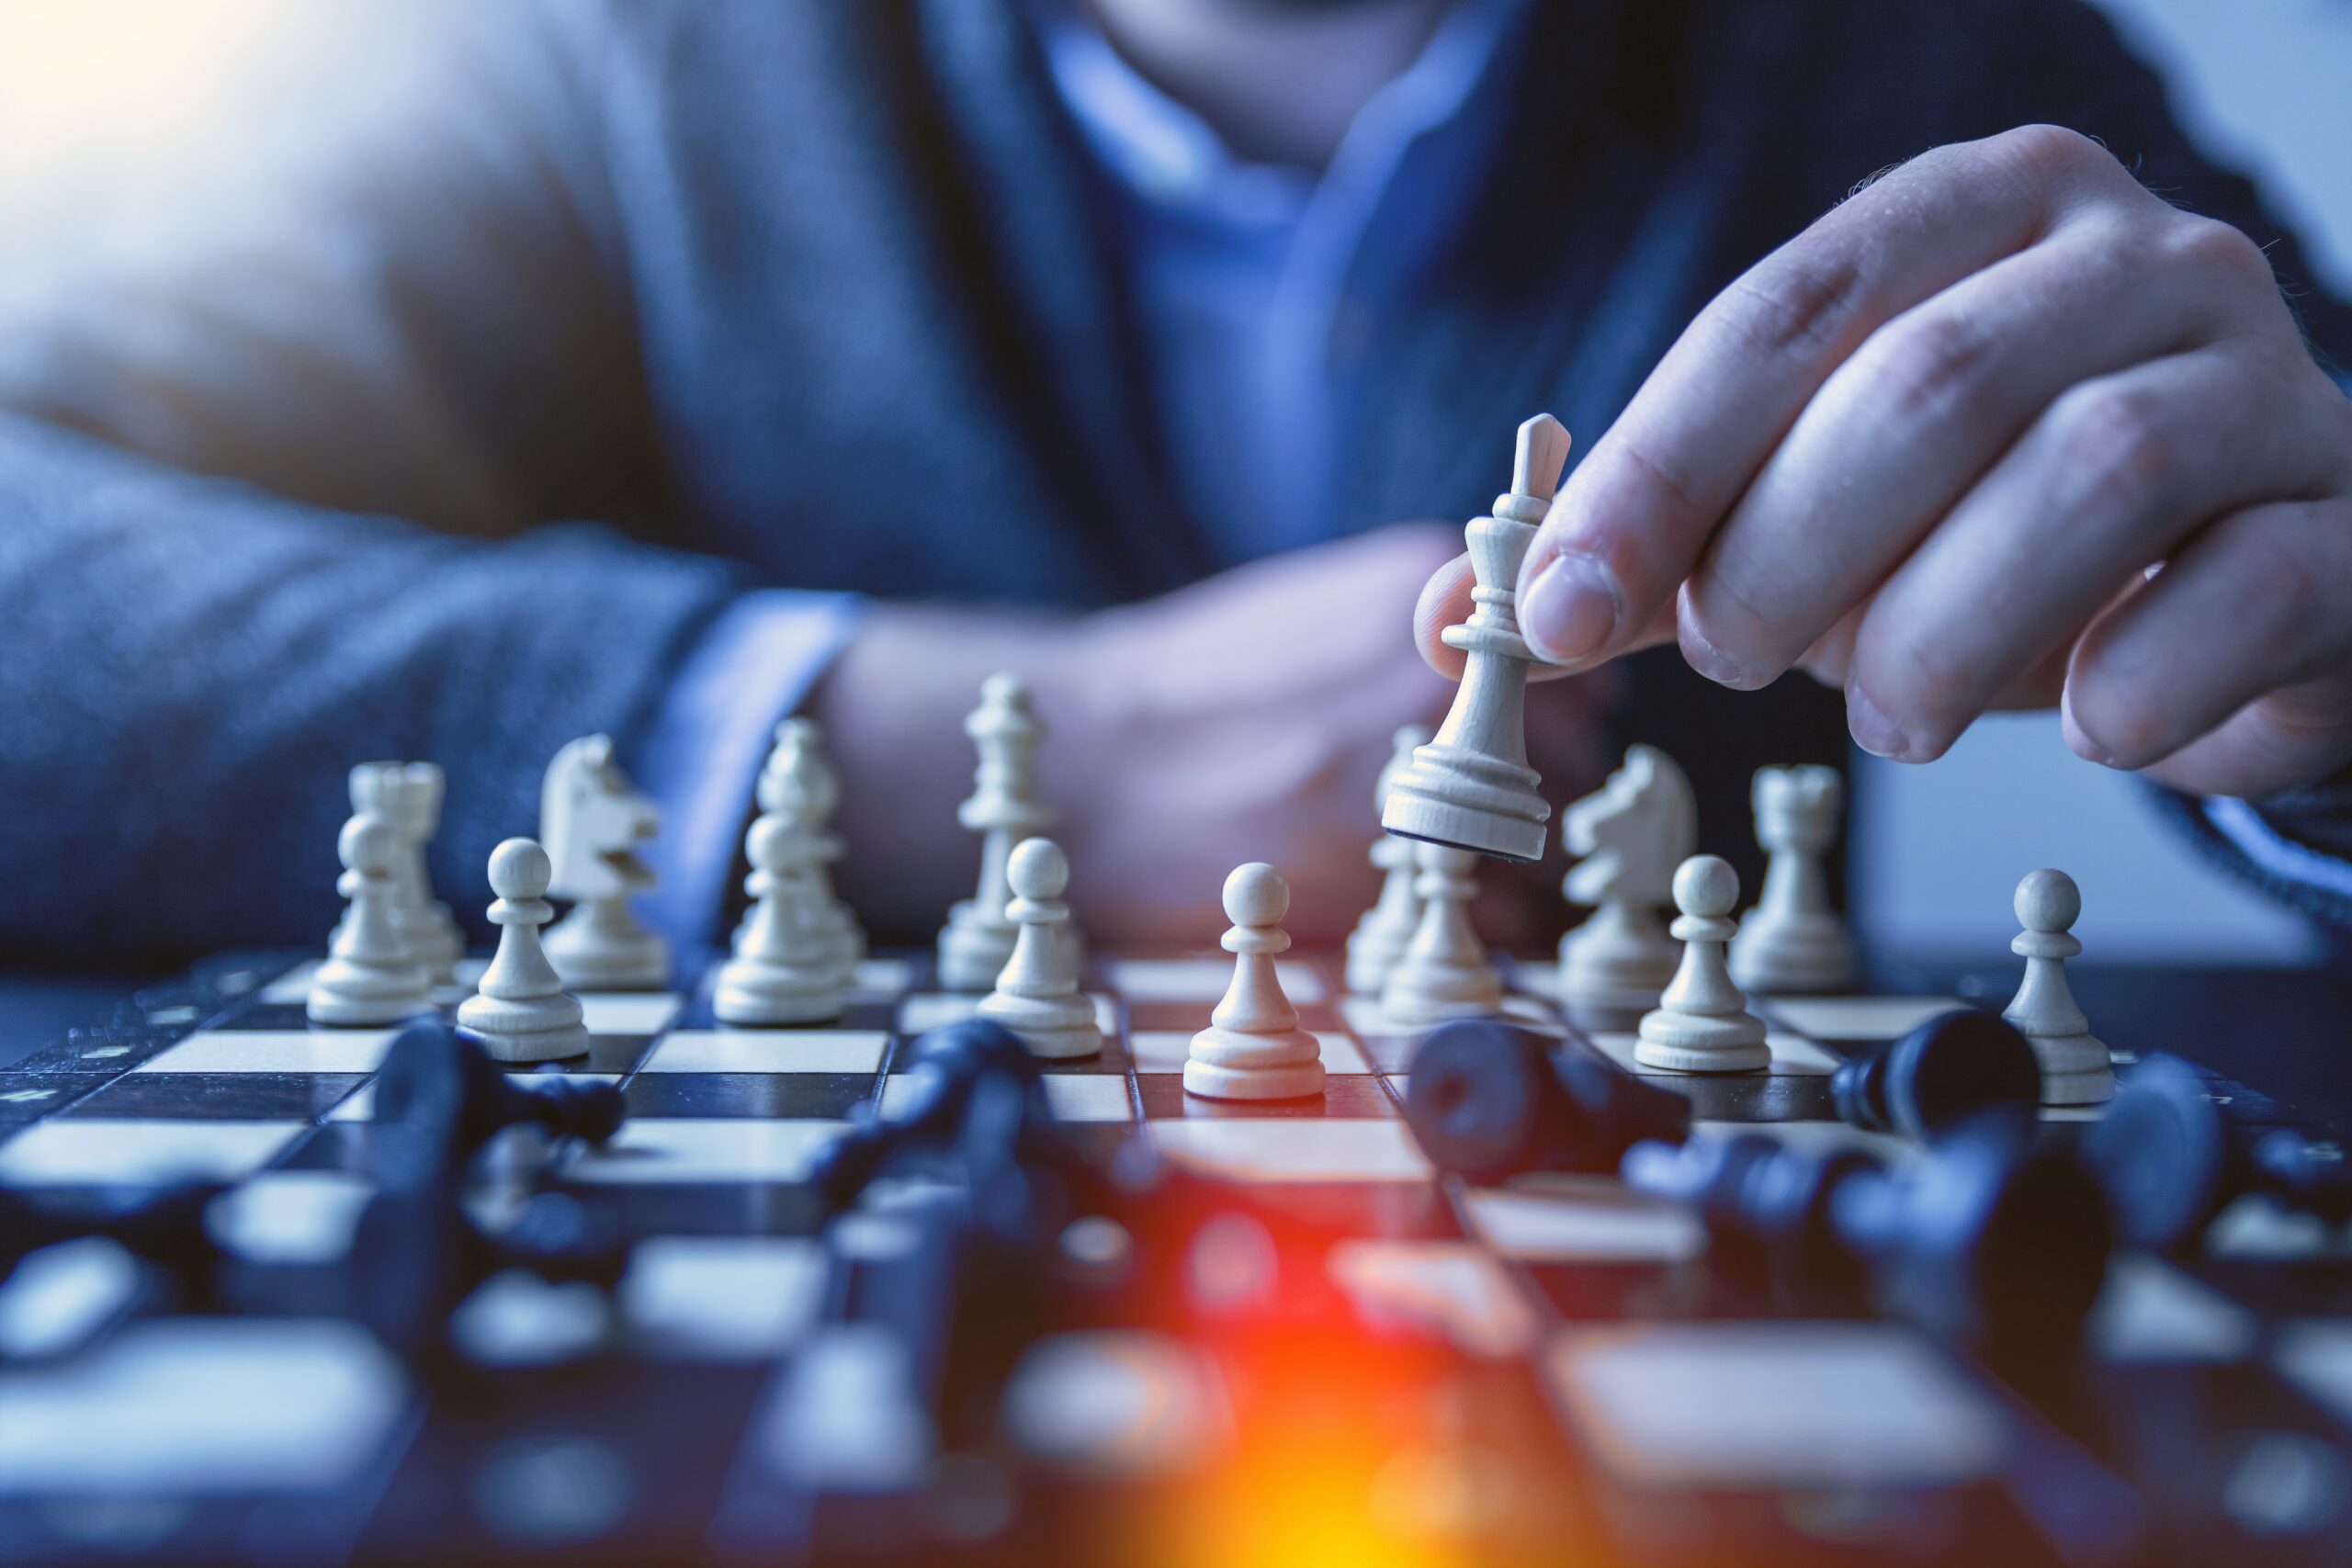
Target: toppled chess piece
(1005, 808)
(947, 1072)
(520, 1011)
(444, 1089)
(1701, 1023)
(592, 821)
(1443, 972)
(371, 975)
(1633, 833)
(2076, 1069)
(1037, 995)
(1381, 936)
(2171, 1161)
(1471, 786)
(1984, 1238)
(416, 1254)
(787, 967)
(1949, 1071)
(1792, 941)
(1253, 1047)
(1487, 1099)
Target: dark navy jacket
(657, 301)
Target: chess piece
(408, 795)
(1632, 834)
(1792, 941)
(1487, 1099)
(371, 974)
(1443, 971)
(798, 763)
(592, 820)
(1004, 809)
(1380, 938)
(521, 1012)
(1701, 1023)
(1253, 1047)
(1954, 1069)
(1037, 995)
(417, 1252)
(443, 1088)
(2074, 1068)
(1471, 786)
(787, 967)
(970, 1086)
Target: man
(1066, 307)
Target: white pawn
(1792, 939)
(1253, 1047)
(1443, 971)
(1037, 995)
(786, 967)
(2076, 1069)
(797, 763)
(408, 795)
(1004, 808)
(370, 976)
(1702, 1025)
(521, 1012)
(1380, 938)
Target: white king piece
(1471, 787)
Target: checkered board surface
(1621, 1390)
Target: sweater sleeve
(301, 406)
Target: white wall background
(2267, 85)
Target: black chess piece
(1954, 1067)
(1986, 1237)
(2170, 1161)
(1487, 1099)
(416, 1254)
(967, 1084)
(444, 1089)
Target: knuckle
(2207, 245)
(1788, 306)
(2116, 446)
(1928, 368)
(2051, 153)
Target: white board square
(1584, 1219)
(1071, 1097)
(1451, 1286)
(291, 988)
(689, 1149)
(1775, 1404)
(1858, 1018)
(1167, 1050)
(2316, 1356)
(723, 1296)
(1303, 1150)
(875, 978)
(90, 1150)
(629, 1012)
(291, 1217)
(2151, 1312)
(274, 1051)
(769, 1051)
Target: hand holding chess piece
(1253, 1048)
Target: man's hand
(2002, 428)
(1246, 717)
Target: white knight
(1633, 833)
(592, 820)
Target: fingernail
(1873, 730)
(1569, 611)
(1712, 661)
(2078, 739)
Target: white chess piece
(370, 976)
(521, 1012)
(1702, 1025)
(592, 821)
(1004, 808)
(1792, 941)
(408, 795)
(798, 761)
(1443, 972)
(1037, 995)
(1253, 1048)
(1633, 832)
(1471, 786)
(2075, 1068)
(1380, 938)
(786, 966)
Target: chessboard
(1550, 1369)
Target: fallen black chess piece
(2171, 1161)
(1487, 1099)
(1985, 1237)
(1950, 1070)
(451, 1099)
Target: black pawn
(1951, 1069)
(1486, 1099)
(444, 1089)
